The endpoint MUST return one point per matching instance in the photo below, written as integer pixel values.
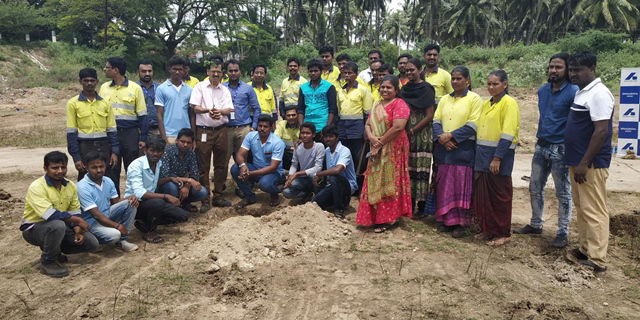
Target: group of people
(343, 133)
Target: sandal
(384, 227)
(152, 237)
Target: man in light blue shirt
(246, 108)
(110, 218)
(340, 175)
(266, 168)
(142, 180)
(172, 102)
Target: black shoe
(220, 203)
(560, 242)
(62, 258)
(443, 228)
(339, 213)
(578, 254)
(204, 207)
(528, 230)
(239, 193)
(243, 203)
(275, 200)
(591, 264)
(54, 269)
(459, 232)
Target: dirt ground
(298, 262)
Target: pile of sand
(246, 241)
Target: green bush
(593, 40)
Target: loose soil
(299, 262)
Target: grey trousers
(54, 237)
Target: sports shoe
(578, 254)
(221, 203)
(528, 230)
(127, 246)
(204, 207)
(275, 200)
(339, 213)
(560, 242)
(591, 264)
(54, 269)
(62, 258)
(243, 203)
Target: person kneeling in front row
(142, 180)
(266, 168)
(336, 184)
(307, 160)
(52, 219)
(110, 218)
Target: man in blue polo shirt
(554, 101)
(110, 217)
(317, 99)
(172, 102)
(246, 108)
(266, 168)
(588, 154)
(340, 175)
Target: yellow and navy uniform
(289, 93)
(128, 104)
(440, 80)
(89, 121)
(266, 98)
(459, 116)
(353, 109)
(331, 75)
(287, 133)
(191, 81)
(375, 91)
(497, 136)
(45, 202)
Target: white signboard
(629, 120)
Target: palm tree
(614, 14)
(468, 21)
(395, 27)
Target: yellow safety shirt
(43, 200)
(440, 79)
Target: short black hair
(429, 47)
(330, 130)
(309, 125)
(144, 61)
(55, 157)
(155, 142)
(215, 60)
(231, 61)
(176, 60)
(386, 67)
(565, 57)
(405, 55)
(372, 51)
(342, 57)
(326, 49)
(88, 73)
(415, 62)
(266, 118)
(464, 71)
(294, 59)
(395, 82)
(350, 66)
(259, 65)
(186, 132)
(502, 75)
(314, 63)
(583, 58)
(290, 107)
(118, 62)
(92, 156)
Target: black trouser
(55, 236)
(336, 193)
(286, 159)
(128, 138)
(356, 146)
(154, 212)
(103, 148)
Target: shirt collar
(210, 85)
(435, 70)
(264, 85)
(81, 97)
(355, 85)
(287, 125)
(51, 184)
(86, 177)
(268, 138)
(592, 84)
(153, 84)
(500, 98)
(297, 78)
(453, 94)
(228, 84)
(125, 83)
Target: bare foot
(499, 241)
(483, 236)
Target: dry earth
(300, 263)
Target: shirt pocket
(84, 118)
(101, 118)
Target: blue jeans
(300, 188)
(266, 183)
(121, 213)
(549, 160)
(172, 189)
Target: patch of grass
(36, 136)
(632, 271)
(175, 280)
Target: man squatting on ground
(308, 158)
(52, 219)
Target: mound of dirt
(246, 241)
(622, 224)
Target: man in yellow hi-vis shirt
(329, 72)
(130, 110)
(290, 86)
(265, 93)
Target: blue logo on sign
(627, 146)
(630, 112)
(632, 76)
